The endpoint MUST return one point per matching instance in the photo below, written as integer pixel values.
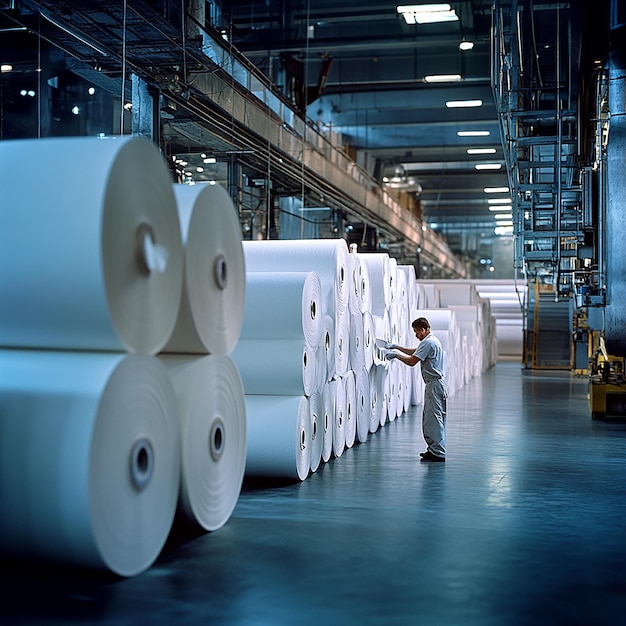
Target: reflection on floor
(524, 524)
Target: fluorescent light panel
(443, 78)
(503, 230)
(473, 133)
(499, 207)
(496, 190)
(466, 45)
(499, 201)
(427, 13)
(458, 104)
(488, 166)
(481, 151)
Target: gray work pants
(434, 417)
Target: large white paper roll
(213, 434)
(380, 280)
(316, 411)
(342, 344)
(376, 402)
(357, 341)
(382, 332)
(363, 404)
(328, 416)
(369, 340)
(338, 392)
(214, 286)
(327, 257)
(280, 367)
(328, 345)
(350, 412)
(391, 391)
(279, 436)
(93, 261)
(89, 458)
(283, 305)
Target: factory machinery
(563, 130)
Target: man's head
(421, 327)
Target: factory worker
(432, 358)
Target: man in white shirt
(432, 358)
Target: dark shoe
(429, 456)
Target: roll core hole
(141, 463)
(302, 440)
(327, 341)
(313, 310)
(314, 427)
(217, 439)
(220, 271)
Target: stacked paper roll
(349, 384)
(357, 341)
(279, 436)
(89, 458)
(213, 436)
(281, 367)
(363, 403)
(369, 340)
(328, 346)
(380, 281)
(338, 393)
(283, 305)
(327, 257)
(316, 412)
(213, 295)
(101, 257)
(328, 404)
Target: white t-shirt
(432, 357)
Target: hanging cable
(305, 80)
(123, 95)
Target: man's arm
(406, 355)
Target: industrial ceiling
(366, 74)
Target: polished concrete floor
(524, 524)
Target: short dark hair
(421, 322)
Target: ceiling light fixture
(481, 151)
(499, 201)
(496, 190)
(473, 133)
(455, 104)
(427, 13)
(443, 78)
(488, 166)
(500, 207)
(504, 216)
(503, 230)
(466, 45)
(5, 67)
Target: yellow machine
(607, 387)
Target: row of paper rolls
(132, 345)
(326, 372)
